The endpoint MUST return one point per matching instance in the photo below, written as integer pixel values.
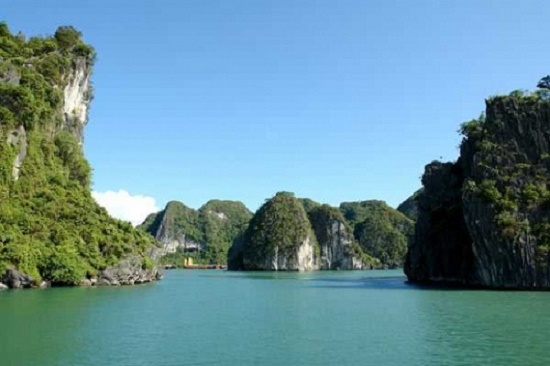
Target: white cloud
(124, 206)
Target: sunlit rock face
(77, 95)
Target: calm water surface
(322, 318)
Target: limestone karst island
(274, 183)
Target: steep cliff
(279, 237)
(441, 249)
(50, 226)
(409, 207)
(210, 231)
(485, 220)
(337, 247)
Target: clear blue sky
(334, 100)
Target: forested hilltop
(204, 234)
(50, 226)
(286, 233)
(484, 220)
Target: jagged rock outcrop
(337, 248)
(484, 220)
(14, 279)
(130, 271)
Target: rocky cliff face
(338, 249)
(302, 258)
(51, 229)
(441, 250)
(409, 207)
(485, 220)
(77, 96)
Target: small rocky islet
(482, 221)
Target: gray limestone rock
(85, 283)
(483, 221)
(18, 138)
(15, 279)
(129, 271)
(335, 239)
(8, 73)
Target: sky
(334, 100)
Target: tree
(544, 83)
(67, 37)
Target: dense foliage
(176, 221)
(381, 231)
(50, 226)
(281, 225)
(212, 228)
(221, 222)
(370, 231)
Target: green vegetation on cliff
(278, 228)
(322, 219)
(511, 170)
(50, 226)
(322, 216)
(357, 235)
(484, 219)
(381, 231)
(221, 222)
(210, 230)
(176, 221)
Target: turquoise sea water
(321, 318)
